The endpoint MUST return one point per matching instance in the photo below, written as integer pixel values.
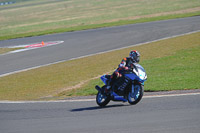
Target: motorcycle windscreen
(141, 72)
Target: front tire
(137, 95)
(102, 99)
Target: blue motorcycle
(128, 88)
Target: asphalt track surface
(83, 43)
(168, 114)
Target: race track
(82, 43)
(169, 114)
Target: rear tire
(102, 99)
(137, 96)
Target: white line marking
(37, 45)
(34, 46)
(26, 48)
(93, 99)
(173, 95)
(6, 74)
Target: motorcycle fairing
(104, 79)
(134, 77)
(118, 98)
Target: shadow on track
(96, 108)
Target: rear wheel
(136, 96)
(102, 99)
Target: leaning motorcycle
(128, 88)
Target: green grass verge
(36, 17)
(170, 64)
(95, 26)
(176, 72)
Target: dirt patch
(70, 87)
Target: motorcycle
(128, 88)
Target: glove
(118, 74)
(126, 68)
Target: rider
(125, 65)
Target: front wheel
(136, 96)
(102, 99)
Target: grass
(6, 50)
(171, 64)
(176, 72)
(35, 17)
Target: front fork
(132, 90)
(135, 90)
